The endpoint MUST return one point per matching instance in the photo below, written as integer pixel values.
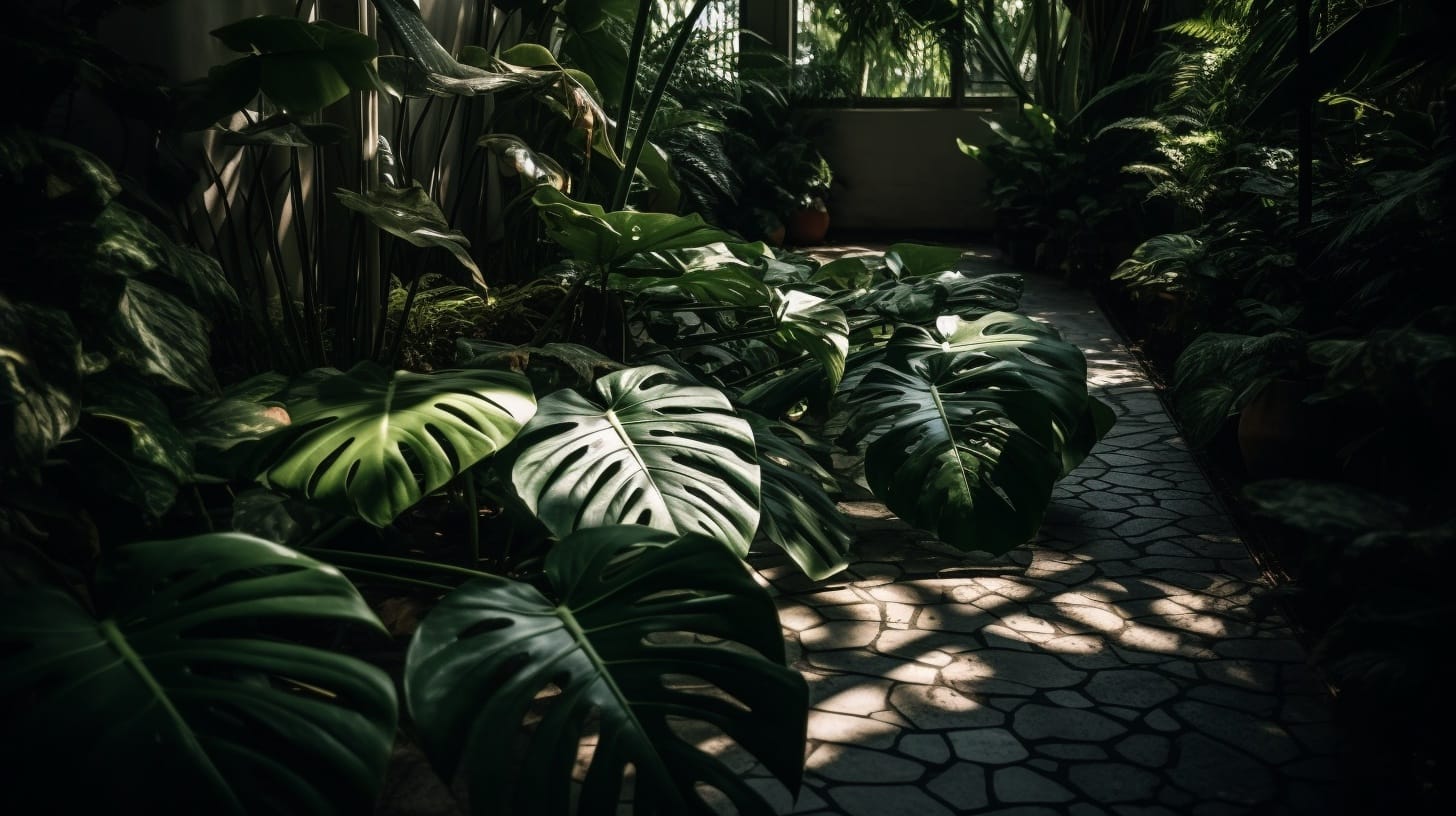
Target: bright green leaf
(643, 447)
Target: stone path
(1120, 664)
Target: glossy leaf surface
(181, 695)
(617, 646)
(645, 446)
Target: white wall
(899, 168)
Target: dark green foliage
(620, 616)
(191, 686)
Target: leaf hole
(662, 378)
(324, 466)
(483, 627)
(450, 453)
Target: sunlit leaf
(411, 214)
(642, 447)
(374, 442)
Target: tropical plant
(190, 668)
(621, 615)
(967, 427)
(564, 528)
(106, 358)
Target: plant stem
(349, 557)
(561, 309)
(472, 511)
(629, 85)
(659, 89)
(395, 579)
(403, 325)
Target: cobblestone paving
(1119, 664)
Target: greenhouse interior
(827, 407)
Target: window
(904, 50)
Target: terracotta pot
(808, 226)
(775, 236)
(1278, 434)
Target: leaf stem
(117, 640)
(659, 89)
(343, 558)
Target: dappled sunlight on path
(1127, 662)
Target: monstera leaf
(962, 292)
(183, 692)
(965, 426)
(798, 514)
(646, 446)
(812, 326)
(594, 235)
(916, 260)
(615, 644)
(374, 443)
(970, 294)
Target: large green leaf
(302, 67)
(410, 214)
(215, 425)
(713, 288)
(965, 426)
(845, 273)
(917, 260)
(596, 38)
(970, 294)
(187, 691)
(594, 235)
(798, 513)
(810, 325)
(646, 446)
(517, 158)
(617, 646)
(374, 442)
(963, 292)
(40, 382)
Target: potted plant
(808, 218)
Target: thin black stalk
(406, 151)
(280, 270)
(1306, 127)
(350, 557)
(402, 327)
(659, 89)
(472, 518)
(562, 308)
(468, 163)
(202, 509)
(308, 272)
(237, 242)
(401, 115)
(391, 578)
(629, 85)
(435, 173)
